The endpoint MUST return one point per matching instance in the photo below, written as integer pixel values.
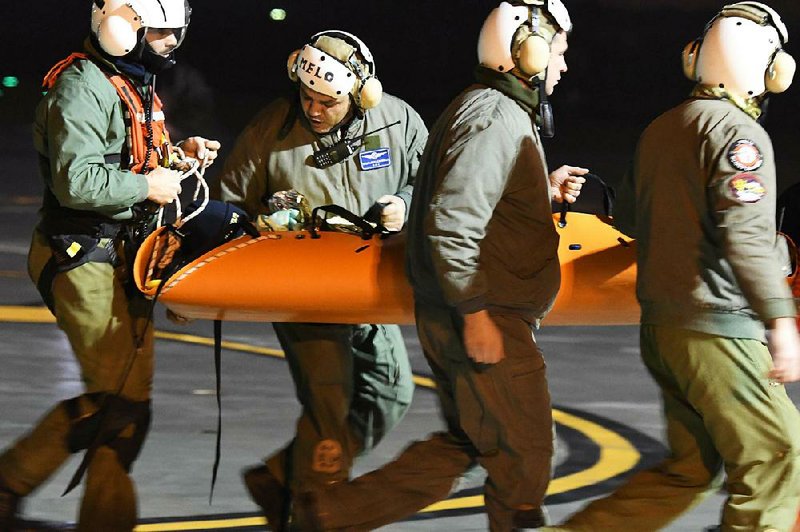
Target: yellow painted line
(234, 346)
(425, 382)
(216, 524)
(617, 455)
(22, 314)
(19, 314)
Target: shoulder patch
(744, 155)
(747, 188)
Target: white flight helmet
(335, 63)
(741, 51)
(520, 35)
(119, 24)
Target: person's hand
(783, 342)
(482, 338)
(202, 149)
(393, 214)
(566, 183)
(163, 185)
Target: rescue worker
(482, 259)
(700, 200)
(102, 144)
(354, 381)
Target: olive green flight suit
(701, 202)
(79, 132)
(481, 236)
(354, 381)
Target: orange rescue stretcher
(334, 277)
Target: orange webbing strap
(52, 75)
(137, 128)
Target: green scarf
(748, 105)
(511, 86)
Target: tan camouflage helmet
(335, 63)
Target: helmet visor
(164, 41)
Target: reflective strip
(158, 116)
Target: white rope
(198, 169)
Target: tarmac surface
(608, 412)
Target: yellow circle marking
(617, 455)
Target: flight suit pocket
(529, 400)
(474, 415)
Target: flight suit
(481, 236)
(700, 200)
(354, 381)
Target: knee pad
(131, 430)
(83, 419)
(109, 420)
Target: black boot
(306, 513)
(9, 507)
(269, 494)
(529, 519)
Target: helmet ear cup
(780, 72)
(116, 36)
(370, 93)
(534, 55)
(689, 59)
(291, 65)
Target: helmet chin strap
(764, 105)
(155, 63)
(148, 58)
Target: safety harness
(77, 237)
(148, 143)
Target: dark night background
(624, 65)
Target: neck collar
(751, 106)
(511, 86)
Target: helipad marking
(22, 314)
(617, 455)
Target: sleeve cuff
(406, 197)
(144, 188)
(471, 306)
(778, 308)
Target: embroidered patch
(745, 155)
(374, 159)
(747, 188)
(327, 457)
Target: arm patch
(744, 155)
(746, 188)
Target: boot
(9, 508)
(269, 494)
(530, 519)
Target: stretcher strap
(218, 371)
(367, 229)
